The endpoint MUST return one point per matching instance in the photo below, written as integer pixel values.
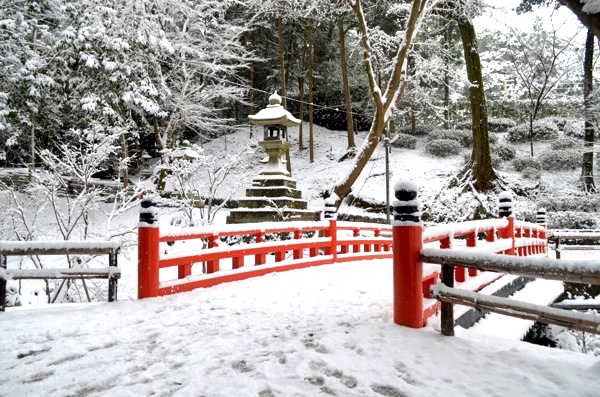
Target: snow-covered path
(317, 331)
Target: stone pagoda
(273, 196)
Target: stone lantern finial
(274, 100)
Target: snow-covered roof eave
(274, 115)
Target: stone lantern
(275, 120)
(273, 196)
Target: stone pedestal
(272, 198)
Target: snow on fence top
(451, 230)
(57, 247)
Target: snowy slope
(318, 331)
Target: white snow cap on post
(505, 204)
(407, 207)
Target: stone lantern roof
(274, 114)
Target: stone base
(272, 198)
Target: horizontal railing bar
(42, 274)
(506, 306)
(15, 248)
(576, 271)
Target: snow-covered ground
(319, 331)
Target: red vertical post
(356, 234)
(505, 208)
(212, 266)
(260, 259)
(377, 233)
(148, 252)
(407, 233)
(297, 236)
(472, 242)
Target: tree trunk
(481, 160)
(281, 61)
(301, 86)
(124, 154)
(310, 90)
(251, 89)
(160, 186)
(587, 170)
(384, 102)
(347, 100)
(447, 40)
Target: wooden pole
(447, 320)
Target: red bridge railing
(299, 245)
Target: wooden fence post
(148, 252)
(505, 210)
(3, 260)
(407, 233)
(447, 315)
(112, 281)
(330, 214)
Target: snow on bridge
(319, 331)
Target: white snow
(309, 332)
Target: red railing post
(329, 213)
(148, 252)
(472, 242)
(212, 266)
(407, 232)
(541, 220)
(505, 208)
(260, 259)
(298, 254)
(377, 233)
(356, 234)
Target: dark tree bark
(587, 170)
(311, 147)
(447, 41)
(251, 88)
(301, 86)
(347, 99)
(481, 160)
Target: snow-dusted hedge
(560, 160)
(504, 151)
(494, 125)
(559, 121)
(587, 203)
(443, 147)
(420, 129)
(465, 137)
(500, 124)
(543, 130)
(573, 220)
(405, 141)
(567, 142)
(575, 128)
(521, 164)
(531, 173)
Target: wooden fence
(43, 248)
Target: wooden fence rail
(561, 240)
(44, 248)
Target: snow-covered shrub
(521, 164)
(573, 220)
(575, 128)
(560, 160)
(504, 151)
(420, 129)
(500, 124)
(567, 142)
(559, 121)
(465, 137)
(443, 147)
(531, 173)
(405, 141)
(543, 130)
(463, 125)
(494, 125)
(586, 203)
